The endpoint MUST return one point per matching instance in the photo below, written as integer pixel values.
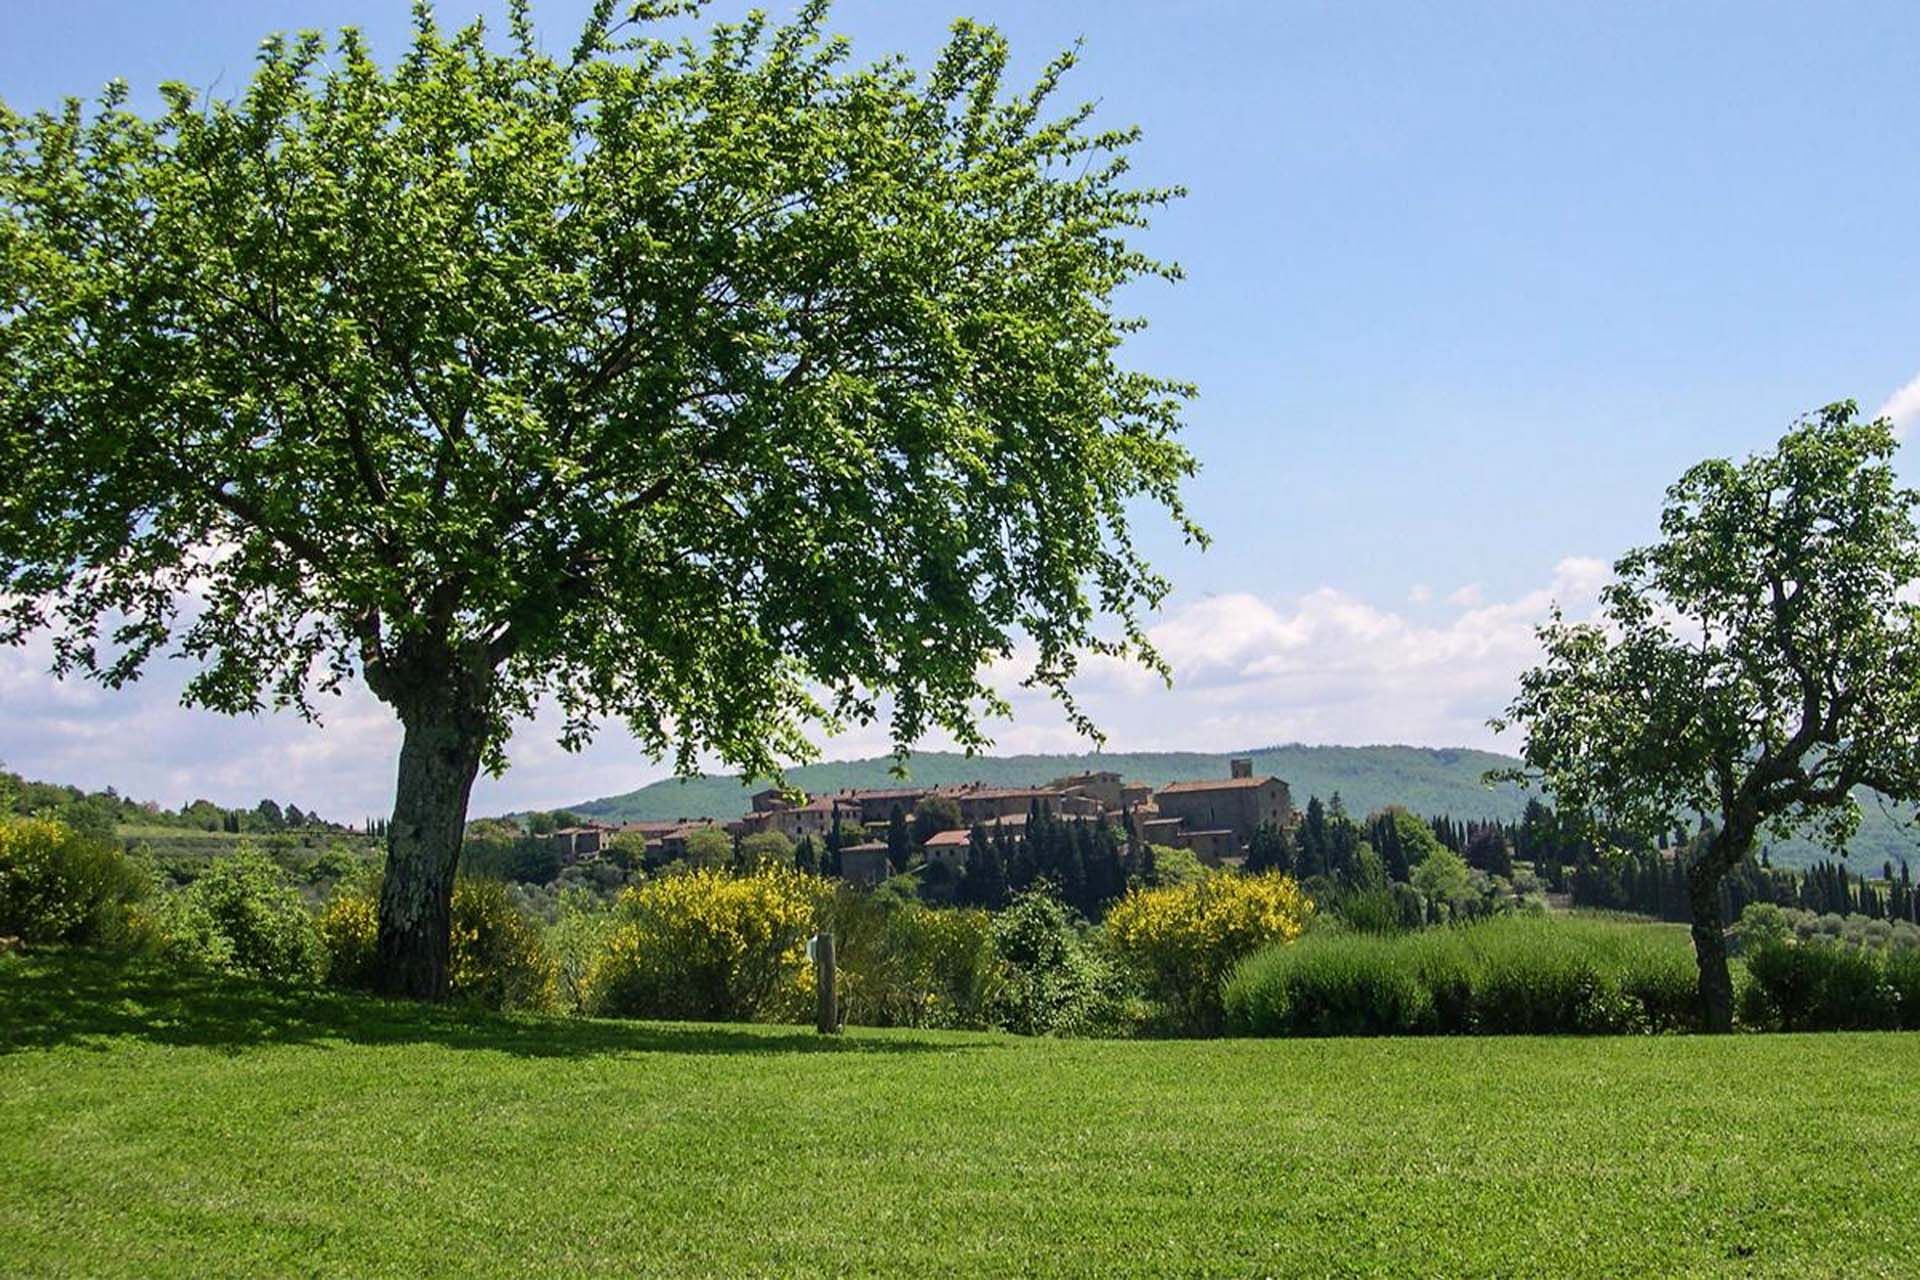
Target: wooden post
(827, 1017)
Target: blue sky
(1468, 286)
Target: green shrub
(578, 933)
(1664, 983)
(57, 885)
(1532, 980)
(904, 964)
(1761, 923)
(1362, 986)
(1517, 974)
(1056, 982)
(1820, 985)
(245, 916)
(1903, 976)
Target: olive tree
(1756, 665)
(716, 385)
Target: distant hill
(1427, 780)
(1423, 779)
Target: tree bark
(445, 734)
(1710, 946)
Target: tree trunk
(1710, 946)
(445, 733)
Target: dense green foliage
(1058, 978)
(1519, 975)
(1759, 664)
(711, 384)
(101, 813)
(245, 916)
(159, 1126)
(1765, 921)
(1824, 985)
(62, 885)
(904, 964)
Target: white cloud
(1903, 406)
(1322, 667)
(1466, 597)
(1420, 594)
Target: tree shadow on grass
(56, 998)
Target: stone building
(865, 864)
(1239, 803)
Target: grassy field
(156, 1126)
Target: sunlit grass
(156, 1126)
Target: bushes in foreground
(245, 916)
(708, 945)
(497, 958)
(1513, 975)
(1182, 940)
(902, 963)
(58, 885)
(1825, 985)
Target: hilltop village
(1214, 818)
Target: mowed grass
(151, 1125)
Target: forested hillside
(1426, 780)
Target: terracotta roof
(1215, 784)
(950, 839)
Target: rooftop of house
(867, 846)
(1215, 784)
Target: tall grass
(1511, 975)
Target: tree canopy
(1757, 664)
(719, 386)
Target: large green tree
(714, 385)
(1757, 664)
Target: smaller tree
(766, 848)
(626, 850)
(1759, 663)
(1443, 879)
(934, 814)
(1270, 849)
(709, 847)
(899, 841)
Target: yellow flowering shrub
(349, 931)
(709, 945)
(1184, 939)
(498, 959)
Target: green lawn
(151, 1126)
